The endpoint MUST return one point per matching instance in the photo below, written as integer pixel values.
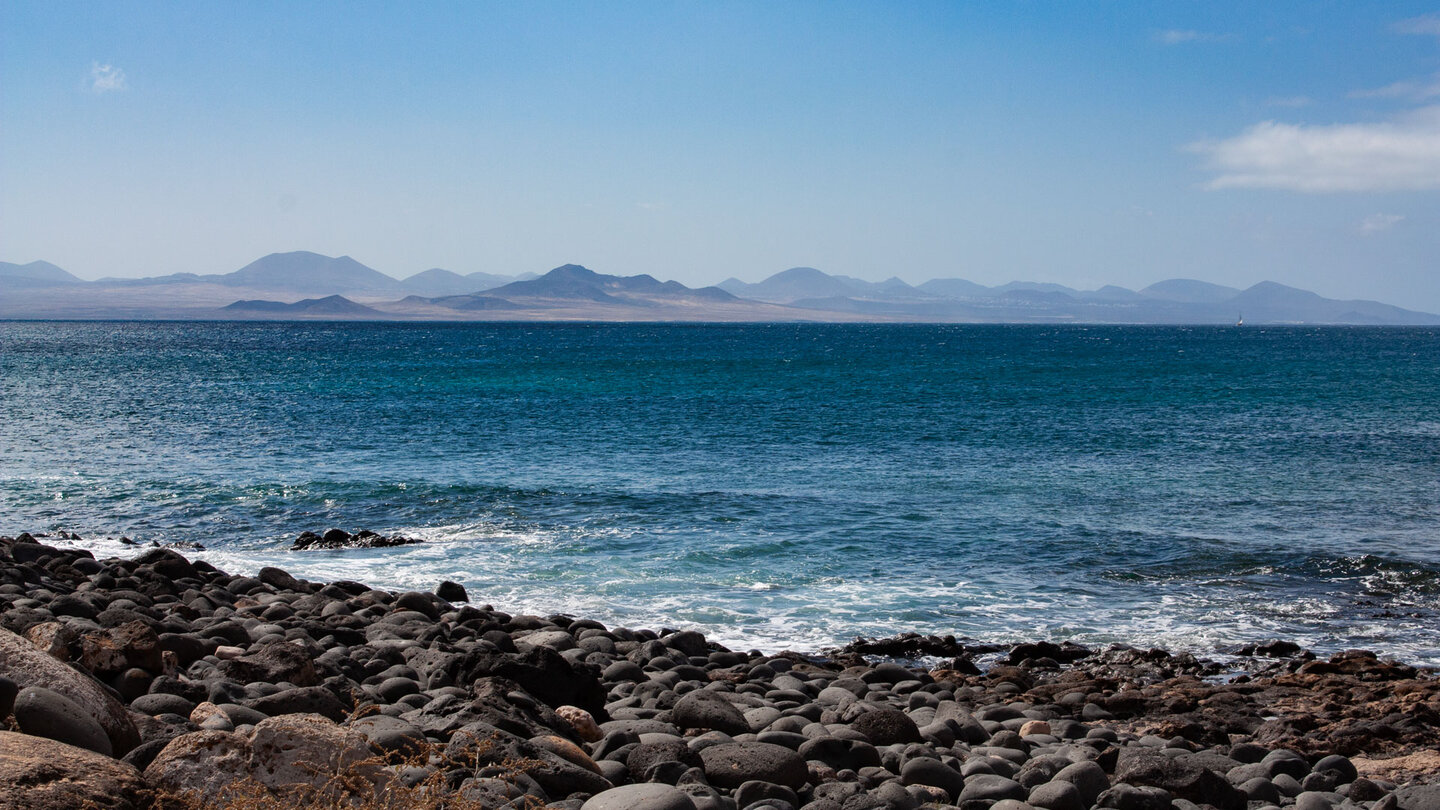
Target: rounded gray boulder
(933, 772)
(451, 592)
(992, 788)
(1088, 778)
(708, 710)
(886, 726)
(43, 713)
(1057, 796)
(161, 703)
(646, 755)
(730, 765)
(649, 796)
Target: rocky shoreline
(159, 681)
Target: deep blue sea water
(774, 485)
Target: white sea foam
(565, 569)
(827, 612)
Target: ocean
(778, 485)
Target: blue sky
(1080, 143)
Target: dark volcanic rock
(143, 754)
(688, 642)
(167, 564)
(1063, 653)
(704, 709)
(132, 644)
(912, 645)
(273, 663)
(187, 647)
(451, 592)
(1340, 765)
(43, 713)
(1185, 780)
(279, 579)
(991, 787)
(1130, 797)
(27, 666)
(1087, 777)
(841, 754)
(391, 735)
(339, 538)
(302, 700)
(1056, 796)
(1418, 797)
(732, 764)
(640, 797)
(32, 552)
(543, 673)
(480, 745)
(422, 603)
(886, 726)
(644, 756)
(1274, 648)
(161, 703)
(927, 771)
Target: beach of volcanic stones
(124, 680)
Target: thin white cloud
(1402, 154)
(1180, 36)
(1375, 223)
(1414, 90)
(1424, 25)
(107, 78)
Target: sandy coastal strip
(162, 682)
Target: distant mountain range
(34, 274)
(304, 285)
(300, 272)
(1178, 300)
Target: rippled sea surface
(774, 485)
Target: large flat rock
(41, 774)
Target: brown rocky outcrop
(302, 754)
(41, 774)
(114, 650)
(203, 765)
